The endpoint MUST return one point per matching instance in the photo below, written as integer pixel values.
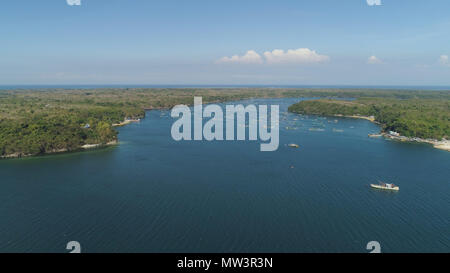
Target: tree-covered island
(414, 118)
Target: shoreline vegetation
(405, 120)
(443, 144)
(64, 150)
(36, 122)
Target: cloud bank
(374, 2)
(278, 56)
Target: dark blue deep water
(153, 194)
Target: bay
(154, 194)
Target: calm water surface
(153, 194)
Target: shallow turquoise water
(152, 194)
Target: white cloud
(251, 57)
(443, 59)
(277, 56)
(298, 56)
(74, 2)
(374, 2)
(373, 60)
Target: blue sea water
(153, 194)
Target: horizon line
(336, 86)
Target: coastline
(83, 147)
(64, 150)
(125, 122)
(92, 146)
(438, 144)
(370, 118)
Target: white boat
(385, 186)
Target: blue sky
(324, 42)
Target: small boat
(385, 186)
(293, 145)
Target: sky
(218, 42)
